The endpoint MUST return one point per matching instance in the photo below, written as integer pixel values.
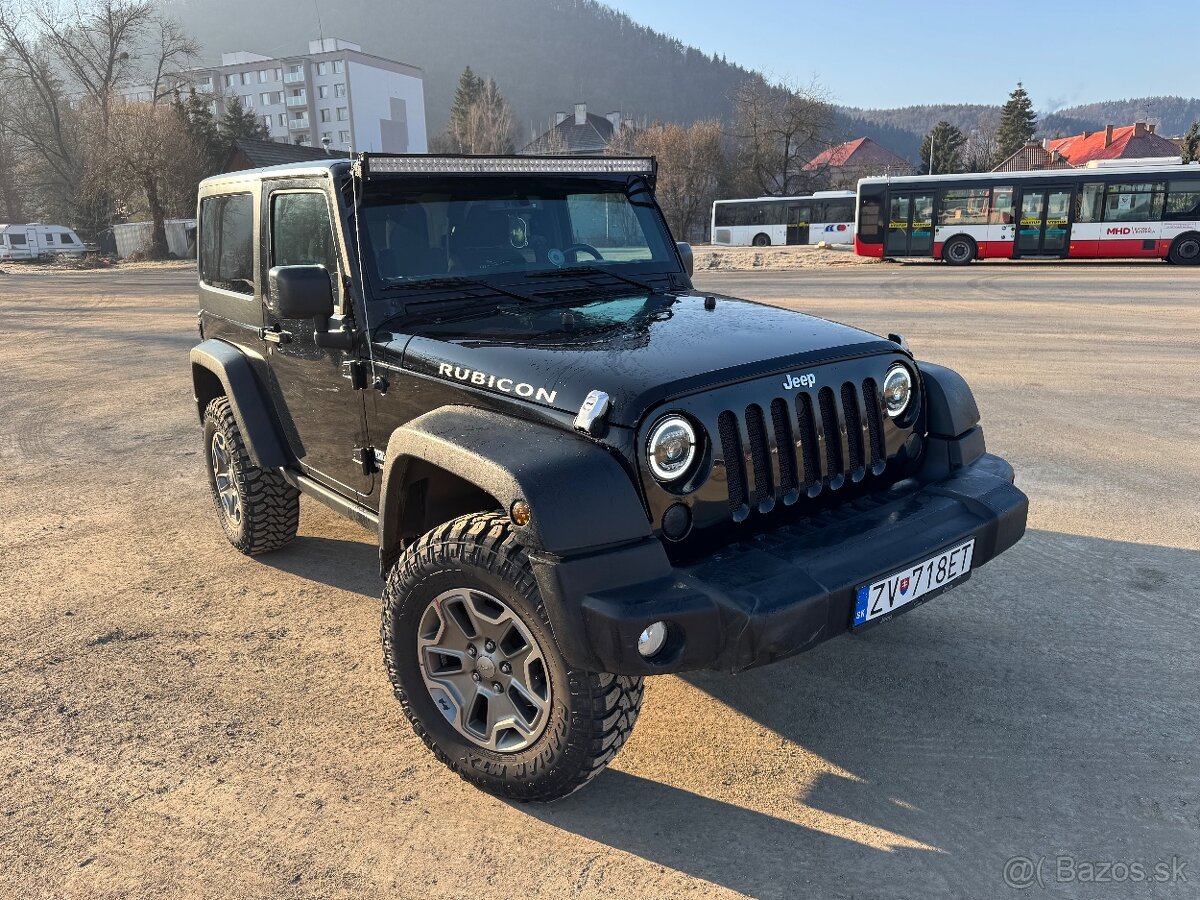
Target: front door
(323, 415)
(1045, 225)
(798, 219)
(910, 224)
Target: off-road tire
(959, 251)
(762, 240)
(592, 713)
(270, 507)
(1185, 251)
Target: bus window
(800, 213)
(1089, 203)
(1002, 206)
(963, 206)
(1134, 202)
(1183, 201)
(836, 211)
(725, 215)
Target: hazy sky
(875, 53)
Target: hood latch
(590, 419)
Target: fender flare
(581, 497)
(950, 406)
(254, 419)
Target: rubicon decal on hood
(486, 380)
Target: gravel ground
(176, 719)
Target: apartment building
(334, 96)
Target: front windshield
(477, 228)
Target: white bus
(1113, 209)
(772, 221)
(34, 241)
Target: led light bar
(506, 165)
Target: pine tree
(1190, 150)
(945, 143)
(195, 113)
(466, 95)
(241, 123)
(1018, 123)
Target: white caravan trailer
(34, 241)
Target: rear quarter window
(227, 242)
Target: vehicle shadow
(341, 563)
(1037, 710)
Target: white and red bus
(1141, 208)
(771, 221)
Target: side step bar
(335, 501)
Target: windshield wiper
(594, 270)
(454, 281)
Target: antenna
(320, 27)
(355, 177)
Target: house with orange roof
(844, 164)
(1136, 141)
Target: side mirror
(685, 253)
(302, 292)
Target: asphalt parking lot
(176, 719)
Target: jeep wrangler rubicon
(581, 470)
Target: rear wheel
(1186, 250)
(762, 240)
(959, 251)
(468, 647)
(258, 510)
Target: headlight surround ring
(898, 390)
(671, 448)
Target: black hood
(640, 349)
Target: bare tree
(691, 168)
(778, 129)
(148, 154)
(174, 53)
(97, 42)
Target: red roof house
(1129, 142)
(848, 162)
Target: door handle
(275, 335)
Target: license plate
(912, 583)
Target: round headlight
(897, 390)
(671, 448)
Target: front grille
(816, 443)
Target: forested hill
(544, 54)
(907, 125)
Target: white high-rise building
(334, 96)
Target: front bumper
(780, 593)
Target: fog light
(676, 522)
(652, 639)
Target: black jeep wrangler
(581, 470)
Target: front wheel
(959, 251)
(762, 240)
(1186, 250)
(468, 648)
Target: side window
(869, 215)
(301, 234)
(963, 206)
(1002, 206)
(1089, 203)
(17, 240)
(1133, 202)
(1183, 200)
(227, 242)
